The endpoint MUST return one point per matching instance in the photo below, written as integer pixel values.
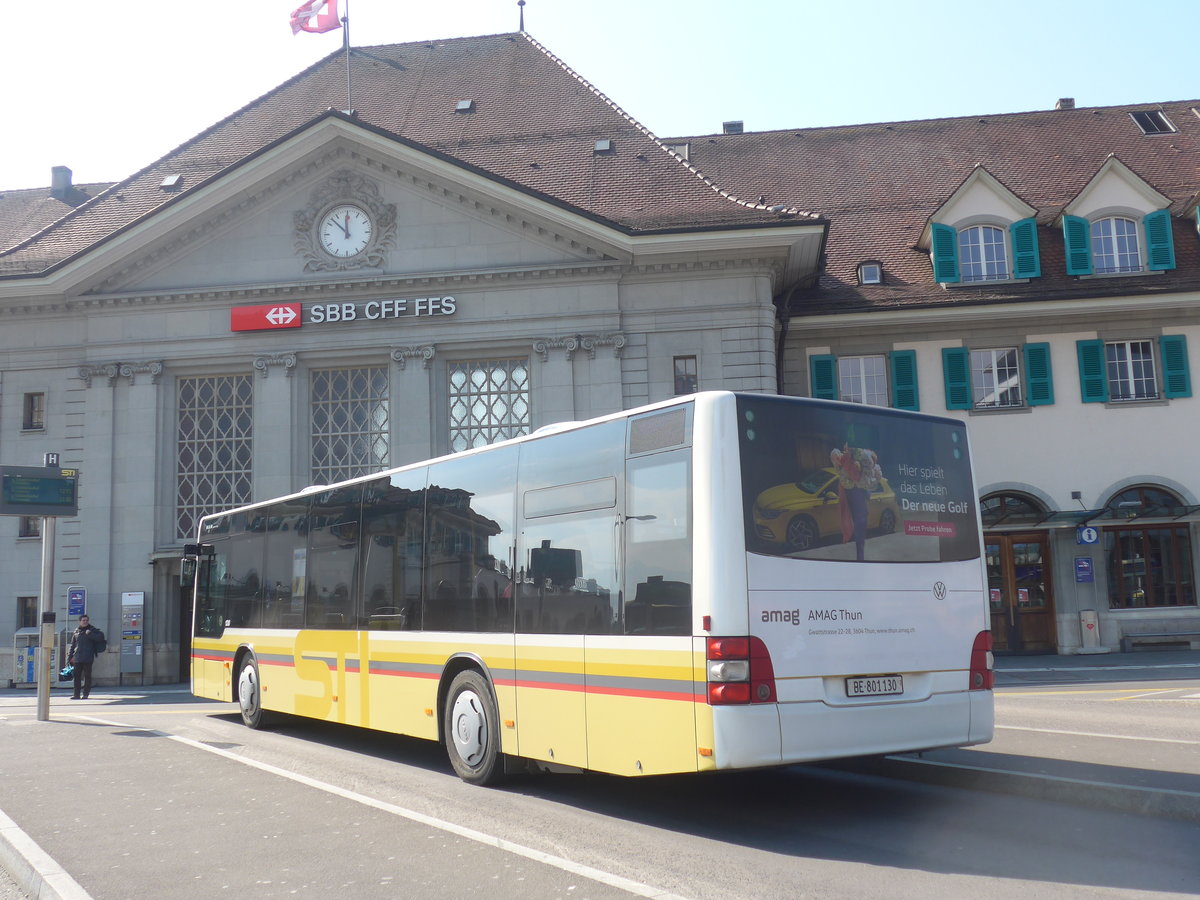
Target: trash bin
(1089, 627)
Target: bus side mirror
(187, 572)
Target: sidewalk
(1140, 665)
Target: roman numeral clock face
(345, 231)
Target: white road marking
(1118, 737)
(636, 888)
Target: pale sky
(107, 87)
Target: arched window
(1009, 509)
(982, 255)
(1115, 246)
(1149, 565)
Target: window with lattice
(489, 401)
(213, 447)
(350, 411)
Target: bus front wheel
(472, 730)
(250, 694)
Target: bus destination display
(29, 491)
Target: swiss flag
(309, 17)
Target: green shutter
(1039, 378)
(904, 380)
(1160, 247)
(1077, 241)
(1026, 261)
(1093, 379)
(945, 253)
(822, 372)
(1177, 380)
(956, 370)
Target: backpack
(99, 641)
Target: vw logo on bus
(939, 590)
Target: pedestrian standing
(86, 642)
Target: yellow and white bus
(720, 581)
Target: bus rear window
(859, 483)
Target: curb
(1179, 805)
(34, 871)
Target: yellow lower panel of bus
(642, 706)
(548, 682)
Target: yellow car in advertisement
(807, 512)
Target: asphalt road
(146, 793)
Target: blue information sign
(1084, 574)
(76, 601)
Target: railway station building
(486, 244)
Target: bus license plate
(877, 686)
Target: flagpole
(346, 47)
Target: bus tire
(250, 694)
(471, 728)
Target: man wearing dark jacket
(82, 654)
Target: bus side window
(658, 544)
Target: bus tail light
(739, 671)
(983, 678)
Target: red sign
(261, 318)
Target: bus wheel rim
(248, 690)
(469, 727)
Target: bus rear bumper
(787, 733)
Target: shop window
(1149, 566)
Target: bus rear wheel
(250, 694)
(471, 727)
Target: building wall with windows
(1037, 275)
(335, 297)
(298, 296)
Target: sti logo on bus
(261, 318)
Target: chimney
(732, 127)
(60, 182)
(1065, 103)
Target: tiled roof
(879, 184)
(534, 125)
(26, 212)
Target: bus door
(1020, 592)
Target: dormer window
(982, 255)
(979, 253)
(870, 273)
(1117, 225)
(1115, 246)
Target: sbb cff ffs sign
(29, 491)
(293, 315)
